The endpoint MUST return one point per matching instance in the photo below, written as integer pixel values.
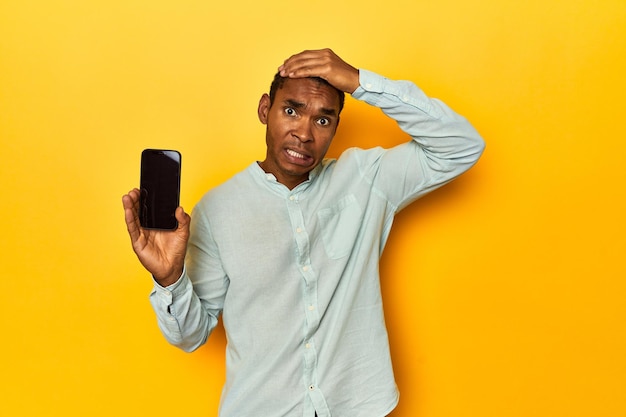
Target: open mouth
(296, 155)
(298, 158)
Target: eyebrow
(328, 112)
(298, 105)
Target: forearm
(447, 138)
(180, 314)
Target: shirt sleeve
(443, 146)
(185, 320)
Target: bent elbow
(186, 344)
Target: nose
(303, 131)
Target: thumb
(183, 218)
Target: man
(287, 251)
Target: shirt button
(311, 387)
(291, 198)
(305, 268)
(308, 346)
(298, 230)
(368, 85)
(311, 307)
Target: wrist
(355, 82)
(168, 280)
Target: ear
(264, 108)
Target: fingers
(323, 63)
(130, 202)
(304, 63)
(308, 64)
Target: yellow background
(504, 291)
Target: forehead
(309, 92)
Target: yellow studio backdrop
(504, 291)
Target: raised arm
(444, 143)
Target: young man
(287, 251)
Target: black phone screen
(160, 188)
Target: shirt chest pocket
(340, 226)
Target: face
(301, 124)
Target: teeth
(295, 154)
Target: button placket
(309, 297)
(299, 233)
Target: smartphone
(160, 188)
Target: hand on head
(323, 63)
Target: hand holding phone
(160, 251)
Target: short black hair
(278, 82)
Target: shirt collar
(268, 177)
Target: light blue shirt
(294, 273)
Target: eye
(290, 111)
(323, 121)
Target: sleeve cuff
(174, 288)
(369, 82)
